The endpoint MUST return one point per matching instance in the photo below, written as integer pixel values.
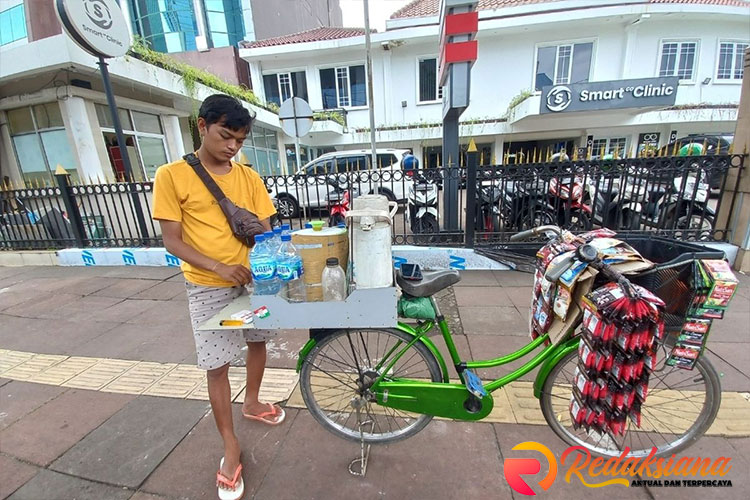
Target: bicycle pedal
(474, 384)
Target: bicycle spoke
(336, 378)
(676, 405)
(340, 372)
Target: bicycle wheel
(337, 375)
(680, 407)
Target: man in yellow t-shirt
(215, 265)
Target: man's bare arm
(172, 234)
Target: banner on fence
(117, 257)
(427, 257)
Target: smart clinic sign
(593, 96)
(97, 26)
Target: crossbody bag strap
(195, 162)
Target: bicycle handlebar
(533, 232)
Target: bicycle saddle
(432, 282)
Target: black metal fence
(62, 216)
(675, 197)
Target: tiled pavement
(64, 441)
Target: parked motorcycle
(422, 206)
(338, 199)
(488, 215)
(639, 198)
(526, 205)
(566, 196)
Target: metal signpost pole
(370, 97)
(459, 22)
(471, 193)
(296, 119)
(296, 136)
(124, 156)
(100, 29)
(116, 120)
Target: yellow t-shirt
(180, 195)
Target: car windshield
(320, 167)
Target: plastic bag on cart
(415, 308)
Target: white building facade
(524, 48)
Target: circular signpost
(97, 26)
(296, 117)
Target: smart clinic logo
(99, 13)
(559, 98)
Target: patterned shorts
(216, 348)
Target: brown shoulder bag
(244, 224)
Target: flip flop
(236, 486)
(261, 417)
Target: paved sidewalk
(101, 400)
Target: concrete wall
(223, 62)
(506, 63)
(43, 22)
(281, 17)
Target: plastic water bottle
(273, 245)
(289, 269)
(334, 281)
(286, 229)
(263, 268)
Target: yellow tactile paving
(64, 371)
(514, 403)
(100, 374)
(178, 383)
(237, 379)
(502, 411)
(11, 359)
(732, 418)
(525, 406)
(33, 367)
(139, 378)
(277, 385)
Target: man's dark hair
(226, 110)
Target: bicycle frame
(445, 398)
(551, 352)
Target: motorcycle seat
(430, 284)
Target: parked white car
(386, 179)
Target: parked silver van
(311, 188)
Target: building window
(731, 55)
(41, 142)
(343, 87)
(167, 26)
(281, 86)
(261, 152)
(429, 90)
(12, 24)
(678, 59)
(224, 21)
(144, 139)
(563, 64)
(614, 146)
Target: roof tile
(313, 35)
(425, 8)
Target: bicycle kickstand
(364, 451)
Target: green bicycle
(379, 386)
